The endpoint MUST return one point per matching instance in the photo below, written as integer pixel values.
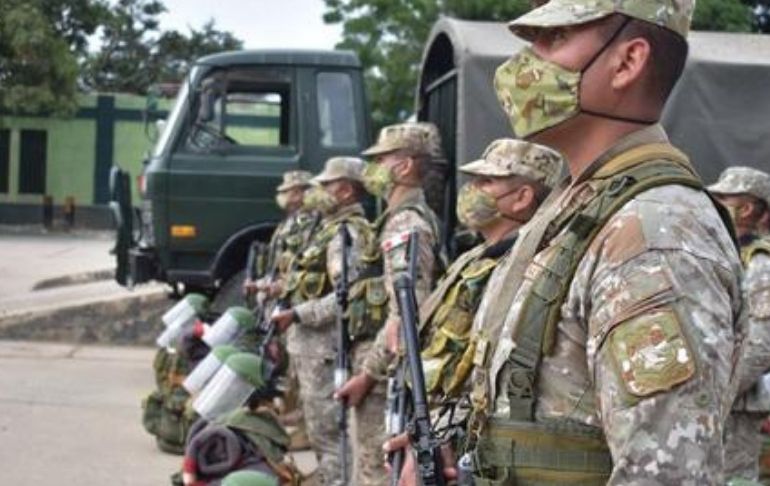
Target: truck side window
(241, 109)
(336, 111)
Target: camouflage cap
(341, 168)
(294, 178)
(743, 180)
(674, 15)
(507, 157)
(417, 137)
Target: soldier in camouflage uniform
(401, 154)
(292, 233)
(746, 194)
(289, 238)
(508, 184)
(312, 317)
(605, 341)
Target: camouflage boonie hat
(418, 137)
(341, 168)
(507, 157)
(674, 15)
(743, 180)
(294, 178)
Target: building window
(5, 158)
(34, 149)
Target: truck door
(240, 136)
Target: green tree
(722, 15)
(135, 54)
(389, 36)
(38, 70)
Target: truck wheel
(230, 293)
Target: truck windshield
(241, 107)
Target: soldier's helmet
(675, 15)
(507, 157)
(293, 179)
(420, 138)
(336, 168)
(743, 180)
(249, 478)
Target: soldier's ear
(630, 62)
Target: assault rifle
(426, 448)
(343, 345)
(398, 393)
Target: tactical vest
(309, 279)
(520, 450)
(290, 239)
(448, 357)
(368, 297)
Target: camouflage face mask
(535, 93)
(282, 200)
(538, 94)
(378, 180)
(317, 198)
(475, 208)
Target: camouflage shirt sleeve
(323, 311)
(659, 296)
(395, 259)
(755, 355)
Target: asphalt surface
(71, 415)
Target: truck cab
(241, 119)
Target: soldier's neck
(399, 194)
(584, 139)
(497, 232)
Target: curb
(78, 278)
(132, 319)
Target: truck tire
(230, 293)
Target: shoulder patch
(651, 353)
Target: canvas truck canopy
(719, 113)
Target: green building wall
(107, 129)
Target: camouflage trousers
(369, 430)
(743, 443)
(316, 386)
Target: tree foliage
(47, 50)
(38, 70)
(389, 35)
(134, 53)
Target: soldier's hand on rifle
(250, 287)
(408, 473)
(356, 389)
(283, 319)
(392, 335)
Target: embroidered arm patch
(651, 353)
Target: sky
(258, 23)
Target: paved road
(70, 415)
(32, 256)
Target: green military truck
(241, 119)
